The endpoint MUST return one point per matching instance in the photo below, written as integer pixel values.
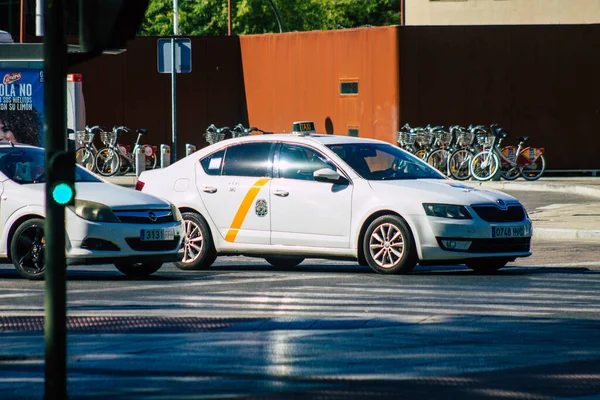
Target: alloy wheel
(192, 242)
(30, 250)
(386, 245)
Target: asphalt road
(325, 329)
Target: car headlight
(446, 211)
(93, 211)
(176, 213)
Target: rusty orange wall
(296, 76)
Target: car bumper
(97, 243)
(432, 232)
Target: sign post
(174, 57)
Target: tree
(209, 17)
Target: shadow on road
(174, 274)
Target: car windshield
(381, 162)
(25, 165)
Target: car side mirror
(329, 175)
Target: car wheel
(138, 270)
(198, 248)
(27, 249)
(487, 266)
(389, 246)
(284, 262)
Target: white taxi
(287, 197)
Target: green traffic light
(62, 193)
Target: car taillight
(139, 185)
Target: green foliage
(209, 17)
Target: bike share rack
(165, 155)
(189, 149)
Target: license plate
(508, 231)
(157, 234)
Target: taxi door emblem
(261, 208)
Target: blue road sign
(183, 55)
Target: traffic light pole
(55, 75)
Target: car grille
(503, 245)
(144, 216)
(152, 245)
(492, 213)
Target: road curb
(565, 234)
(539, 187)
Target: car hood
(113, 196)
(440, 191)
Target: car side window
(248, 159)
(299, 162)
(213, 163)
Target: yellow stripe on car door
(242, 211)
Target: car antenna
(11, 143)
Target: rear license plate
(157, 234)
(508, 231)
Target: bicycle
(85, 155)
(528, 162)
(128, 156)
(438, 157)
(116, 158)
(214, 134)
(469, 143)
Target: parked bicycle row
(214, 134)
(113, 157)
(473, 152)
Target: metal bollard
(71, 140)
(140, 160)
(165, 155)
(189, 149)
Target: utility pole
(55, 127)
(103, 24)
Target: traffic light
(62, 178)
(108, 24)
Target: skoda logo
(152, 216)
(501, 203)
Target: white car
(108, 223)
(287, 197)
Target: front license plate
(157, 234)
(508, 231)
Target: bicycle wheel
(85, 157)
(535, 170)
(458, 164)
(421, 154)
(510, 172)
(438, 159)
(126, 164)
(484, 165)
(108, 161)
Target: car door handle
(210, 189)
(281, 193)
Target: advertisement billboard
(22, 106)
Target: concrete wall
(501, 12)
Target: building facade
(502, 12)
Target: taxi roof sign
(303, 127)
